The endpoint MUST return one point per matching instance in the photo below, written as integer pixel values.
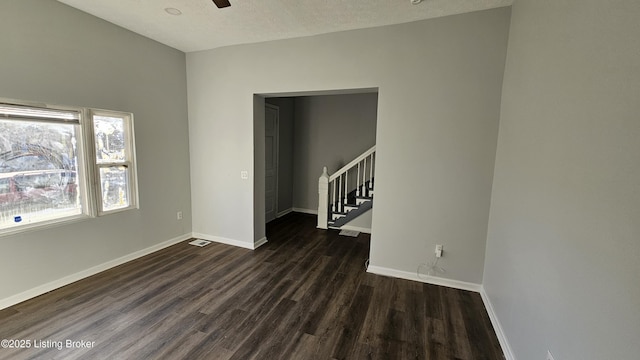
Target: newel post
(323, 199)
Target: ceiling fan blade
(222, 3)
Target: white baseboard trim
(502, 338)
(259, 243)
(222, 240)
(284, 212)
(356, 228)
(434, 280)
(305, 211)
(45, 288)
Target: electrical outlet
(179, 215)
(549, 356)
(244, 175)
(438, 251)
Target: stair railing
(333, 189)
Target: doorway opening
(312, 130)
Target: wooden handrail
(352, 163)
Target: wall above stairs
(329, 130)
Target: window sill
(43, 225)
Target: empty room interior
(348, 179)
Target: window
(59, 164)
(114, 159)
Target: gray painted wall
(53, 53)
(285, 151)
(330, 130)
(563, 249)
(436, 131)
(362, 222)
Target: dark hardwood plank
(391, 344)
(303, 295)
(453, 321)
(353, 323)
(414, 326)
(384, 295)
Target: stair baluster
(364, 176)
(340, 193)
(346, 187)
(358, 181)
(335, 205)
(370, 175)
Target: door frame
(277, 156)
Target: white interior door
(271, 161)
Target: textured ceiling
(203, 26)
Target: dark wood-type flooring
(303, 295)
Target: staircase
(348, 193)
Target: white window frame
(129, 162)
(88, 170)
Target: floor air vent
(351, 233)
(199, 242)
